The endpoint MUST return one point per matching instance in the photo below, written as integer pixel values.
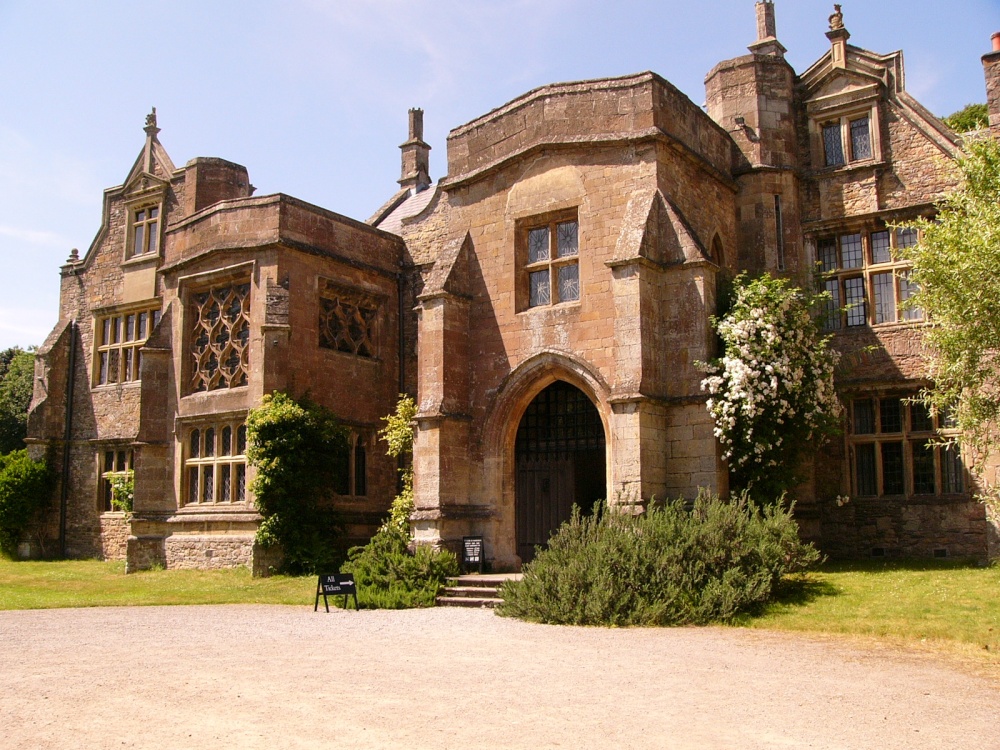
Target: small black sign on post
(472, 553)
(336, 584)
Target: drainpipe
(67, 434)
(400, 333)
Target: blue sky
(311, 95)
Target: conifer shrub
(388, 575)
(670, 566)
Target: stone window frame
(552, 264)
(356, 480)
(151, 242)
(114, 343)
(357, 302)
(825, 117)
(888, 429)
(861, 261)
(190, 288)
(214, 462)
(122, 462)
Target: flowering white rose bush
(771, 394)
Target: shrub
(670, 566)
(298, 449)
(390, 577)
(24, 490)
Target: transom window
(220, 337)
(847, 139)
(552, 263)
(116, 463)
(145, 231)
(347, 321)
(119, 345)
(866, 285)
(893, 452)
(216, 464)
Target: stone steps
(474, 590)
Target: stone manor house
(545, 301)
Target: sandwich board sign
(335, 584)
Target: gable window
(145, 231)
(893, 449)
(846, 140)
(119, 345)
(220, 337)
(552, 262)
(866, 286)
(347, 321)
(215, 464)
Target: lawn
(936, 604)
(89, 583)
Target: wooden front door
(560, 462)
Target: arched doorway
(560, 457)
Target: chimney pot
(996, 41)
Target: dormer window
(145, 234)
(847, 140)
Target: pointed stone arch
(517, 391)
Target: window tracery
(220, 337)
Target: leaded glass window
(833, 146)
(553, 271)
(216, 464)
(145, 234)
(120, 338)
(861, 142)
(848, 264)
(895, 451)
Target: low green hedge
(670, 566)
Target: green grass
(933, 603)
(89, 583)
(940, 605)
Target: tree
(24, 489)
(956, 266)
(16, 384)
(970, 117)
(771, 393)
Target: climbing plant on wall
(771, 393)
(297, 448)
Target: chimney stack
(415, 173)
(991, 69)
(767, 36)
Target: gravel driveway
(283, 677)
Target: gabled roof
(866, 75)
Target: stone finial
(151, 128)
(837, 19)
(838, 37)
(74, 256)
